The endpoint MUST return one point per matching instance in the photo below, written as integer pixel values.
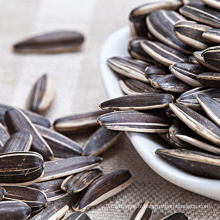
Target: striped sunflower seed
(2, 193)
(51, 189)
(190, 33)
(198, 123)
(161, 25)
(14, 210)
(65, 167)
(77, 216)
(4, 136)
(21, 168)
(156, 70)
(62, 146)
(212, 3)
(185, 2)
(178, 215)
(134, 121)
(42, 94)
(16, 120)
(209, 79)
(54, 42)
(78, 123)
(108, 186)
(212, 35)
(198, 163)
(19, 141)
(193, 60)
(187, 73)
(202, 14)
(100, 141)
(131, 68)
(138, 102)
(53, 212)
(143, 212)
(36, 199)
(170, 83)
(212, 56)
(162, 53)
(80, 181)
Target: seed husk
(131, 68)
(51, 189)
(53, 212)
(16, 120)
(62, 146)
(104, 188)
(198, 123)
(138, 28)
(209, 79)
(36, 199)
(77, 216)
(21, 168)
(53, 42)
(190, 33)
(100, 141)
(14, 210)
(77, 183)
(212, 56)
(42, 94)
(193, 60)
(19, 141)
(4, 136)
(176, 216)
(187, 73)
(162, 53)
(170, 83)
(161, 25)
(202, 14)
(78, 123)
(212, 3)
(185, 2)
(156, 70)
(65, 167)
(212, 35)
(138, 102)
(134, 121)
(143, 212)
(198, 163)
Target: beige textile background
(79, 89)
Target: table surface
(79, 89)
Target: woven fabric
(79, 89)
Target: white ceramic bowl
(146, 144)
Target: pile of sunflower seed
(172, 82)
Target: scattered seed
(143, 212)
(178, 215)
(77, 216)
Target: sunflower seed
(51, 189)
(21, 168)
(80, 181)
(170, 83)
(100, 141)
(2, 193)
(212, 3)
(143, 212)
(42, 94)
(4, 136)
(187, 73)
(169, 113)
(108, 186)
(10, 210)
(212, 56)
(212, 35)
(209, 79)
(61, 146)
(185, 2)
(198, 123)
(16, 120)
(202, 14)
(36, 199)
(19, 141)
(161, 25)
(77, 216)
(65, 167)
(132, 69)
(53, 212)
(178, 215)
(54, 42)
(156, 70)
(190, 33)
(200, 164)
(193, 60)
(162, 53)
(78, 123)
(134, 121)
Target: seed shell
(212, 3)
(4, 136)
(36, 199)
(134, 121)
(16, 120)
(65, 167)
(156, 70)
(80, 181)
(212, 56)
(104, 188)
(176, 216)
(193, 60)
(212, 35)
(209, 79)
(143, 212)
(77, 216)
(53, 42)
(42, 94)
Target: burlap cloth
(79, 89)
